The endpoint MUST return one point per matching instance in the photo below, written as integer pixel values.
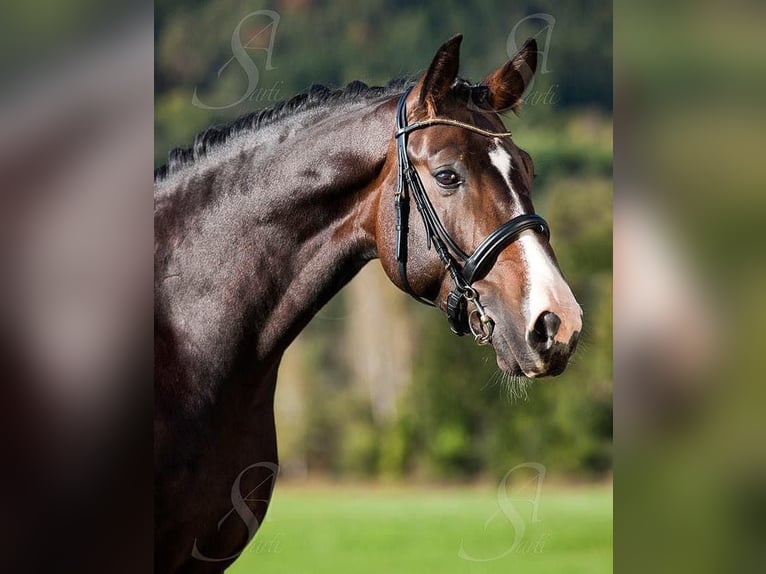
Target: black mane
(316, 96)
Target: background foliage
(377, 386)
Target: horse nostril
(573, 341)
(541, 336)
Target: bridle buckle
(486, 326)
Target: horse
(259, 224)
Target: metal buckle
(486, 326)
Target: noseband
(470, 268)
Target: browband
(449, 122)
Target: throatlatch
(476, 265)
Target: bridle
(474, 266)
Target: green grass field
(384, 530)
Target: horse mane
(317, 96)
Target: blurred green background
(377, 391)
(691, 471)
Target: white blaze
(546, 288)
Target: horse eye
(448, 178)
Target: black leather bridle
(474, 266)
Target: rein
(474, 266)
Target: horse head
(472, 245)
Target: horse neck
(257, 242)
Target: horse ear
(507, 84)
(437, 82)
